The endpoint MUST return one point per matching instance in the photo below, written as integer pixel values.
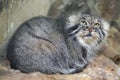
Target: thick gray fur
(40, 44)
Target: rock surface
(100, 68)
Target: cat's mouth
(88, 38)
(87, 35)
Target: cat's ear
(72, 20)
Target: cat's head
(89, 30)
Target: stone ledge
(101, 68)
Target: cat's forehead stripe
(89, 18)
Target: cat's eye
(83, 22)
(96, 24)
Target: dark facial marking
(72, 29)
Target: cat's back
(37, 27)
(33, 39)
(34, 30)
(40, 26)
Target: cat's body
(45, 45)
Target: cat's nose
(90, 29)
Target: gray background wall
(14, 12)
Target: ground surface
(100, 68)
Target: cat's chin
(86, 41)
(89, 40)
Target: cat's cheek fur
(106, 27)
